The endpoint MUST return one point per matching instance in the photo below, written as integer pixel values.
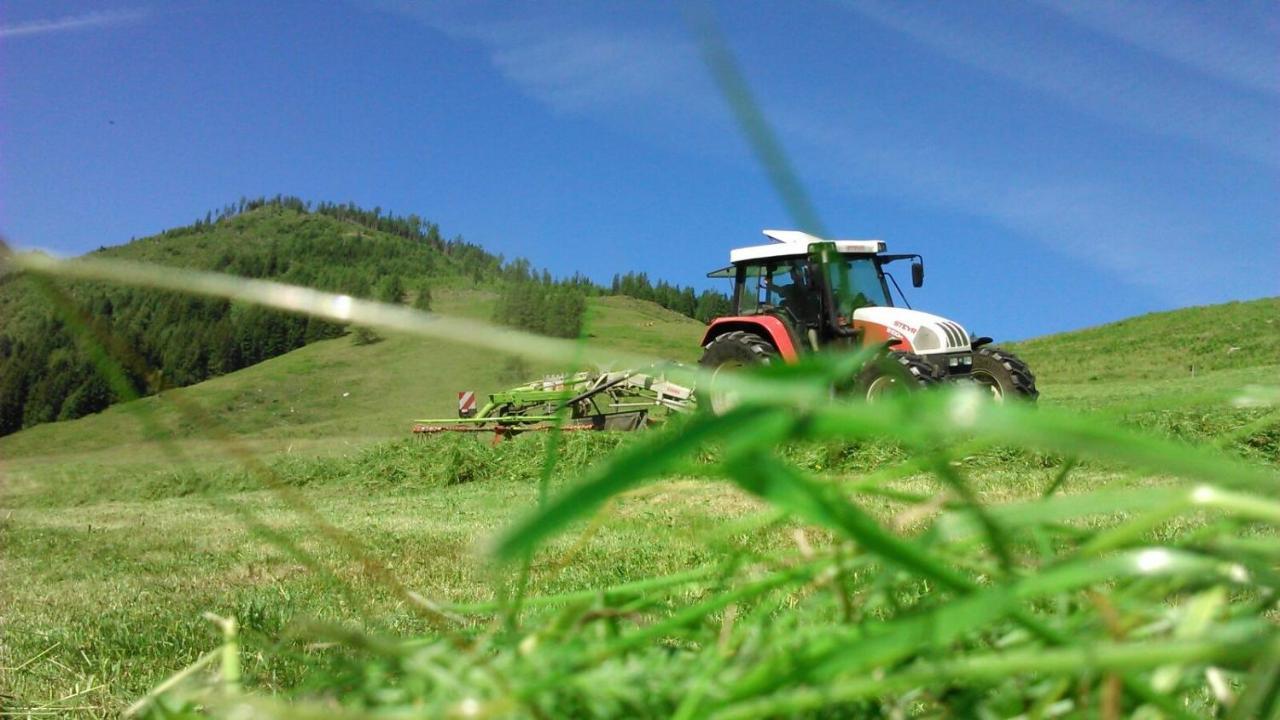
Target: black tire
(895, 372)
(732, 351)
(1004, 375)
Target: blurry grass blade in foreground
(330, 306)
(344, 308)
(751, 119)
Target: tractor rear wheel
(1003, 374)
(730, 352)
(895, 373)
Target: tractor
(803, 294)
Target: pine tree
(390, 289)
(422, 298)
(711, 305)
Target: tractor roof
(790, 243)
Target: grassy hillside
(1163, 346)
(335, 394)
(1179, 373)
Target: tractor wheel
(894, 373)
(1002, 374)
(730, 352)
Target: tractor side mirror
(917, 274)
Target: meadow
(928, 558)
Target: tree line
(704, 306)
(47, 371)
(538, 303)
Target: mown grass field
(95, 511)
(113, 549)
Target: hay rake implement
(619, 400)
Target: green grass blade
(789, 488)
(1230, 644)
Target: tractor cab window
(857, 282)
(748, 291)
(780, 286)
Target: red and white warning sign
(466, 403)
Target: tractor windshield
(856, 281)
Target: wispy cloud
(584, 69)
(1248, 57)
(580, 65)
(1089, 80)
(67, 23)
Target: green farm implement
(621, 400)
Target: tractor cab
(816, 285)
(813, 287)
(802, 293)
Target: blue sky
(1059, 165)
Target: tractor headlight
(926, 340)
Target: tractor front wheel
(895, 373)
(730, 352)
(1003, 375)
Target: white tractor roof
(790, 243)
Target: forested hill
(45, 374)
